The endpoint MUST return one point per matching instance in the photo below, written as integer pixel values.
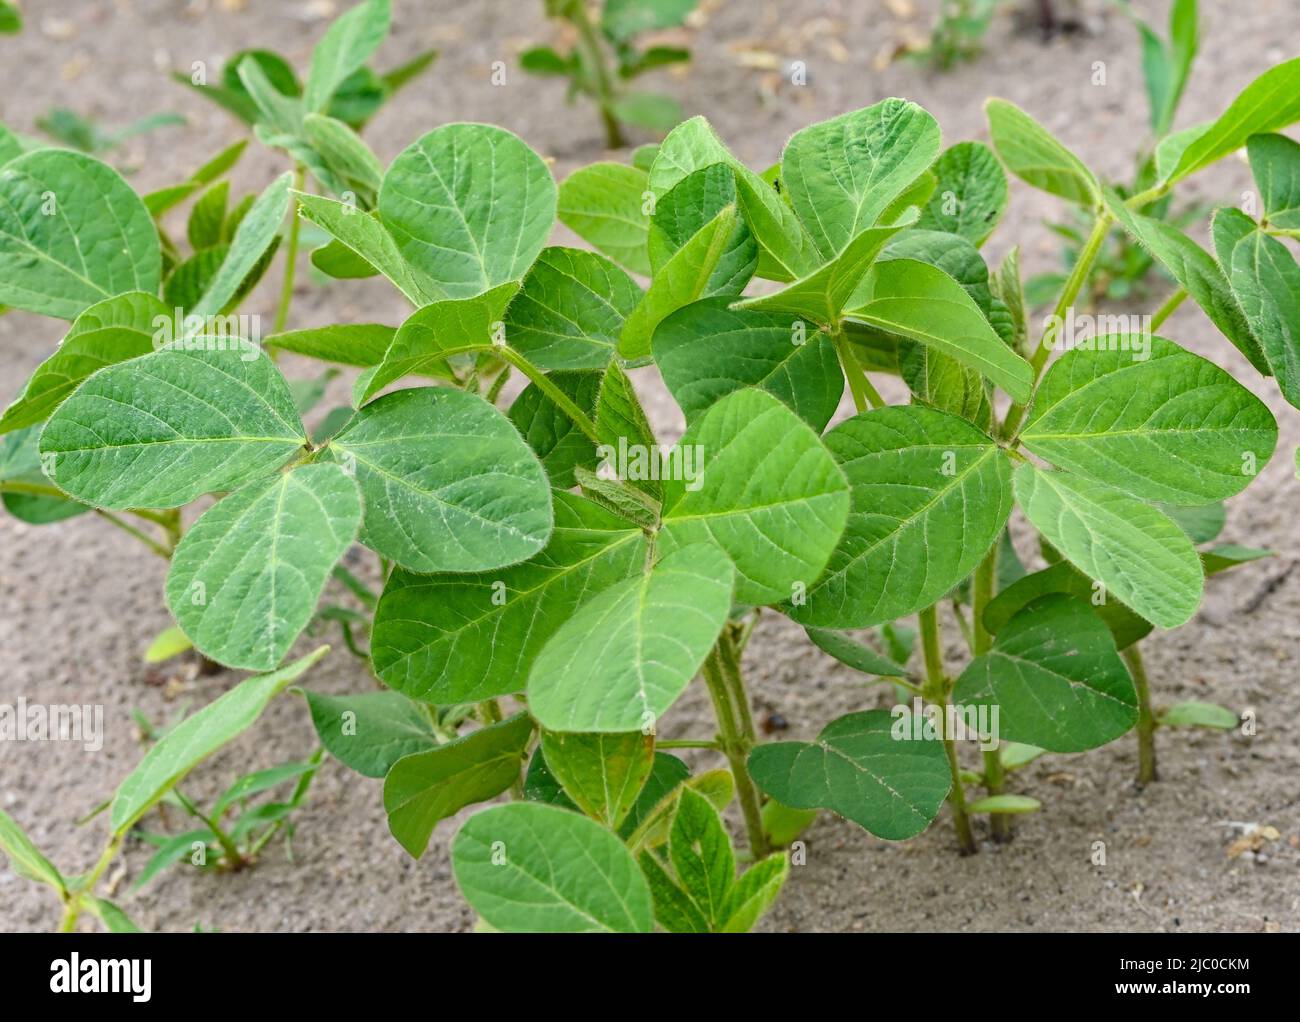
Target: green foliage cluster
(524, 563)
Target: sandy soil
(78, 605)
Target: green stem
(1073, 285)
(131, 530)
(981, 596)
(689, 743)
(494, 391)
(547, 387)
(1144, 199)
(1165, 311)
(722, 677)
(72, 900)
(589, 44)
(291, 256)
(936, 690)
(864, 394)
(1146, 726)
(31, 489)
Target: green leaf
(72, 233)
(544, 60)
(1142, 557)
(755, 892)
(621, 424)
(1034, 155)
(786, 251)
(107, 333)
(823, 295)
(370, 731)
(470, 206)
(448, 483)
(1197, 272)
(1005, 804)
(680, 281)
(335, 259)
(254, 237)
(768, 492)
(602, 773)
(25, 858)
(196, 738)
(1202, 524)
(700, 852)
(165, 428)
(855, 654)
(707, 350)
(207, 215)
(556, 439)
(571, 310)
(278, 113)
(349, 158)
(463, 638)
(533, 868)
(423, 788)
(784, 825)
(1275, 163)
(168, 643)
(914, 474)
(365, 236)
(1266, 281)
(841, 174)
(347, 44)
(1269, 103)
(970, 195)
(349, 344)
(245, 579)
(919, 301)
(1125, 627)
(945, 384)
(1163, 424)
(604, 204)
(113, 918)
(666, 774)
(1055, 677)
(623, 19)
(647, 110)
(675, 911)
(1197, 714)
(439, 331)
(405, 73)
(626, 654)
(858, 769)
(686, 208)
(20, 461)
(1229, 555)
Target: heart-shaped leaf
(892, 787)
(245, 579)
(1056, 678)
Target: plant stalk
(589, 43)
(1165, 311)
(864, 394)
(1146, 726)
(291, 256)
(1073, 285)
(548, 387)
(736, 737)
(981, 596)
(936, 688)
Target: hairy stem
(589, 45)
(72, 900)
(864, 394)
(936, 690)
(131, 530)
(291, 256)
(736, 735)
(1146, 726)
(981, 596)
(547, 387)
(1165, 311)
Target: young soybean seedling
(587, 66)
(154, 780)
